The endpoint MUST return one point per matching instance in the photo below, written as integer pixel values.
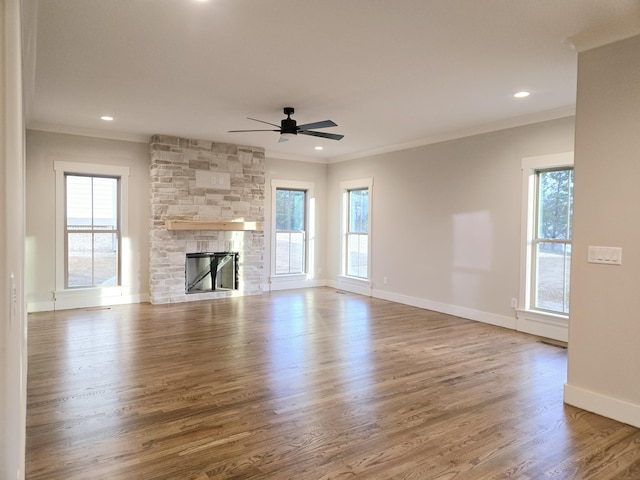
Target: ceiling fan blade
(262, 121)
(332, 136)
(310, 126)
(283, 139)
(238, 131)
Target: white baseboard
(616, 409)
(88, 298)
(47, 306)
(353, 285)
(555, 330)
(463, 312)
(294, 284)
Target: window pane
(105, 257)
(290, 209)
(78, 190)
(92, 206)
(282, 253)
(79, 260)
(357, 255)
(555, 204)
(289, 252)
(359, 211)
(552, 277)
(296, 253)
(105, 211)
(290, 231)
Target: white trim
(512, 122)
(529, 321)
(47, 306)
(89, 297)
(13, 341)
(90, 132)
(463, 312)
(543, 324)
(292, 282)
(614, 408)
(354, 285)
(122, 172)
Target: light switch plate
(605, 255)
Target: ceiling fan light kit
(288, 127)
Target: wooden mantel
(205, 225)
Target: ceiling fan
(288, 127)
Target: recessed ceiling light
(319, 148)
(106, 118)
(521, 94)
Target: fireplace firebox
(211, 271)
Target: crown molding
(600, 35)
(513, 122)
(90, 132)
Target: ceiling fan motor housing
(288, 125)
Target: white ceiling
(390, 73)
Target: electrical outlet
(514, 303)
(384, 280)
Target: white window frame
(294, 280)
(536, 322)
(97, 295)
(350, 283)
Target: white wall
(604, 331)
(446, 219)
(13, 324)
(316, 173)
(42, 149)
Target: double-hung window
(356, 229)
(358, 233)
(290, 230)
(547, 211)
(293, 218)
(92, 231)
(91, 226)
(551, 243)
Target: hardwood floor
(304, 384)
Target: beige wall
(604, 332)
(42, 150)
(445, 219)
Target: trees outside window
(290, 221)
(551, 245)
(357, 236)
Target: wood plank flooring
(304, 384)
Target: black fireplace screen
(211, 271)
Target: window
(358, 233)
(356, 221)
(551, 244)
(92, 231)
(547, 210)
(290, 223)
(292, 237)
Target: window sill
(543, 324)
(290, 277)
(355, 285)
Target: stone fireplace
(200, 191)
